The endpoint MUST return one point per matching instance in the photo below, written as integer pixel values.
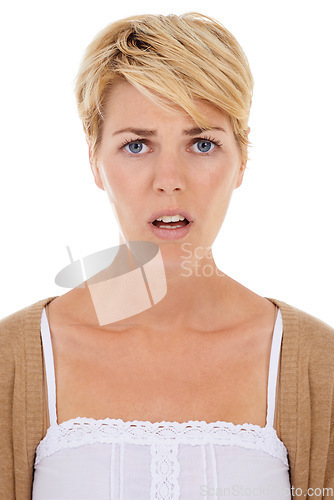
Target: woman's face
(151, 159)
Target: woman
(207, 389)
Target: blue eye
(204, 146)
(134, 147)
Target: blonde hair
(178, 58)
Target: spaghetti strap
(272, 376)
(49, 367)
(273, 368)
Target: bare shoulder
(71, 308)
(249, 308)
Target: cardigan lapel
(291, 429)
(294, 413)
(32, 407)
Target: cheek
(111, 176)
(219, 178)
(125, 193)
(220, 185)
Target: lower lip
(171, 234)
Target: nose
(169, 174)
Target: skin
(171, 171)
(208, 329)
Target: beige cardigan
(305, 402)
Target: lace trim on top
(163, 437)
(83, 431)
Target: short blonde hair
(178, 58)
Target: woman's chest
(203, 378)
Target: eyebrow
(197, 130)
(148, 133)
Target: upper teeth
(171, 218)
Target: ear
(94, 167)
(242, 169)
(240, 176)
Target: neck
(166, 289)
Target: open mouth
(170, 225)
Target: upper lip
(170, 211)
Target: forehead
(126, 105)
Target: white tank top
(88, 459)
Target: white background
(277, 238)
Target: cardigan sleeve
(7, 371)
(321, 385)
(21, 399)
